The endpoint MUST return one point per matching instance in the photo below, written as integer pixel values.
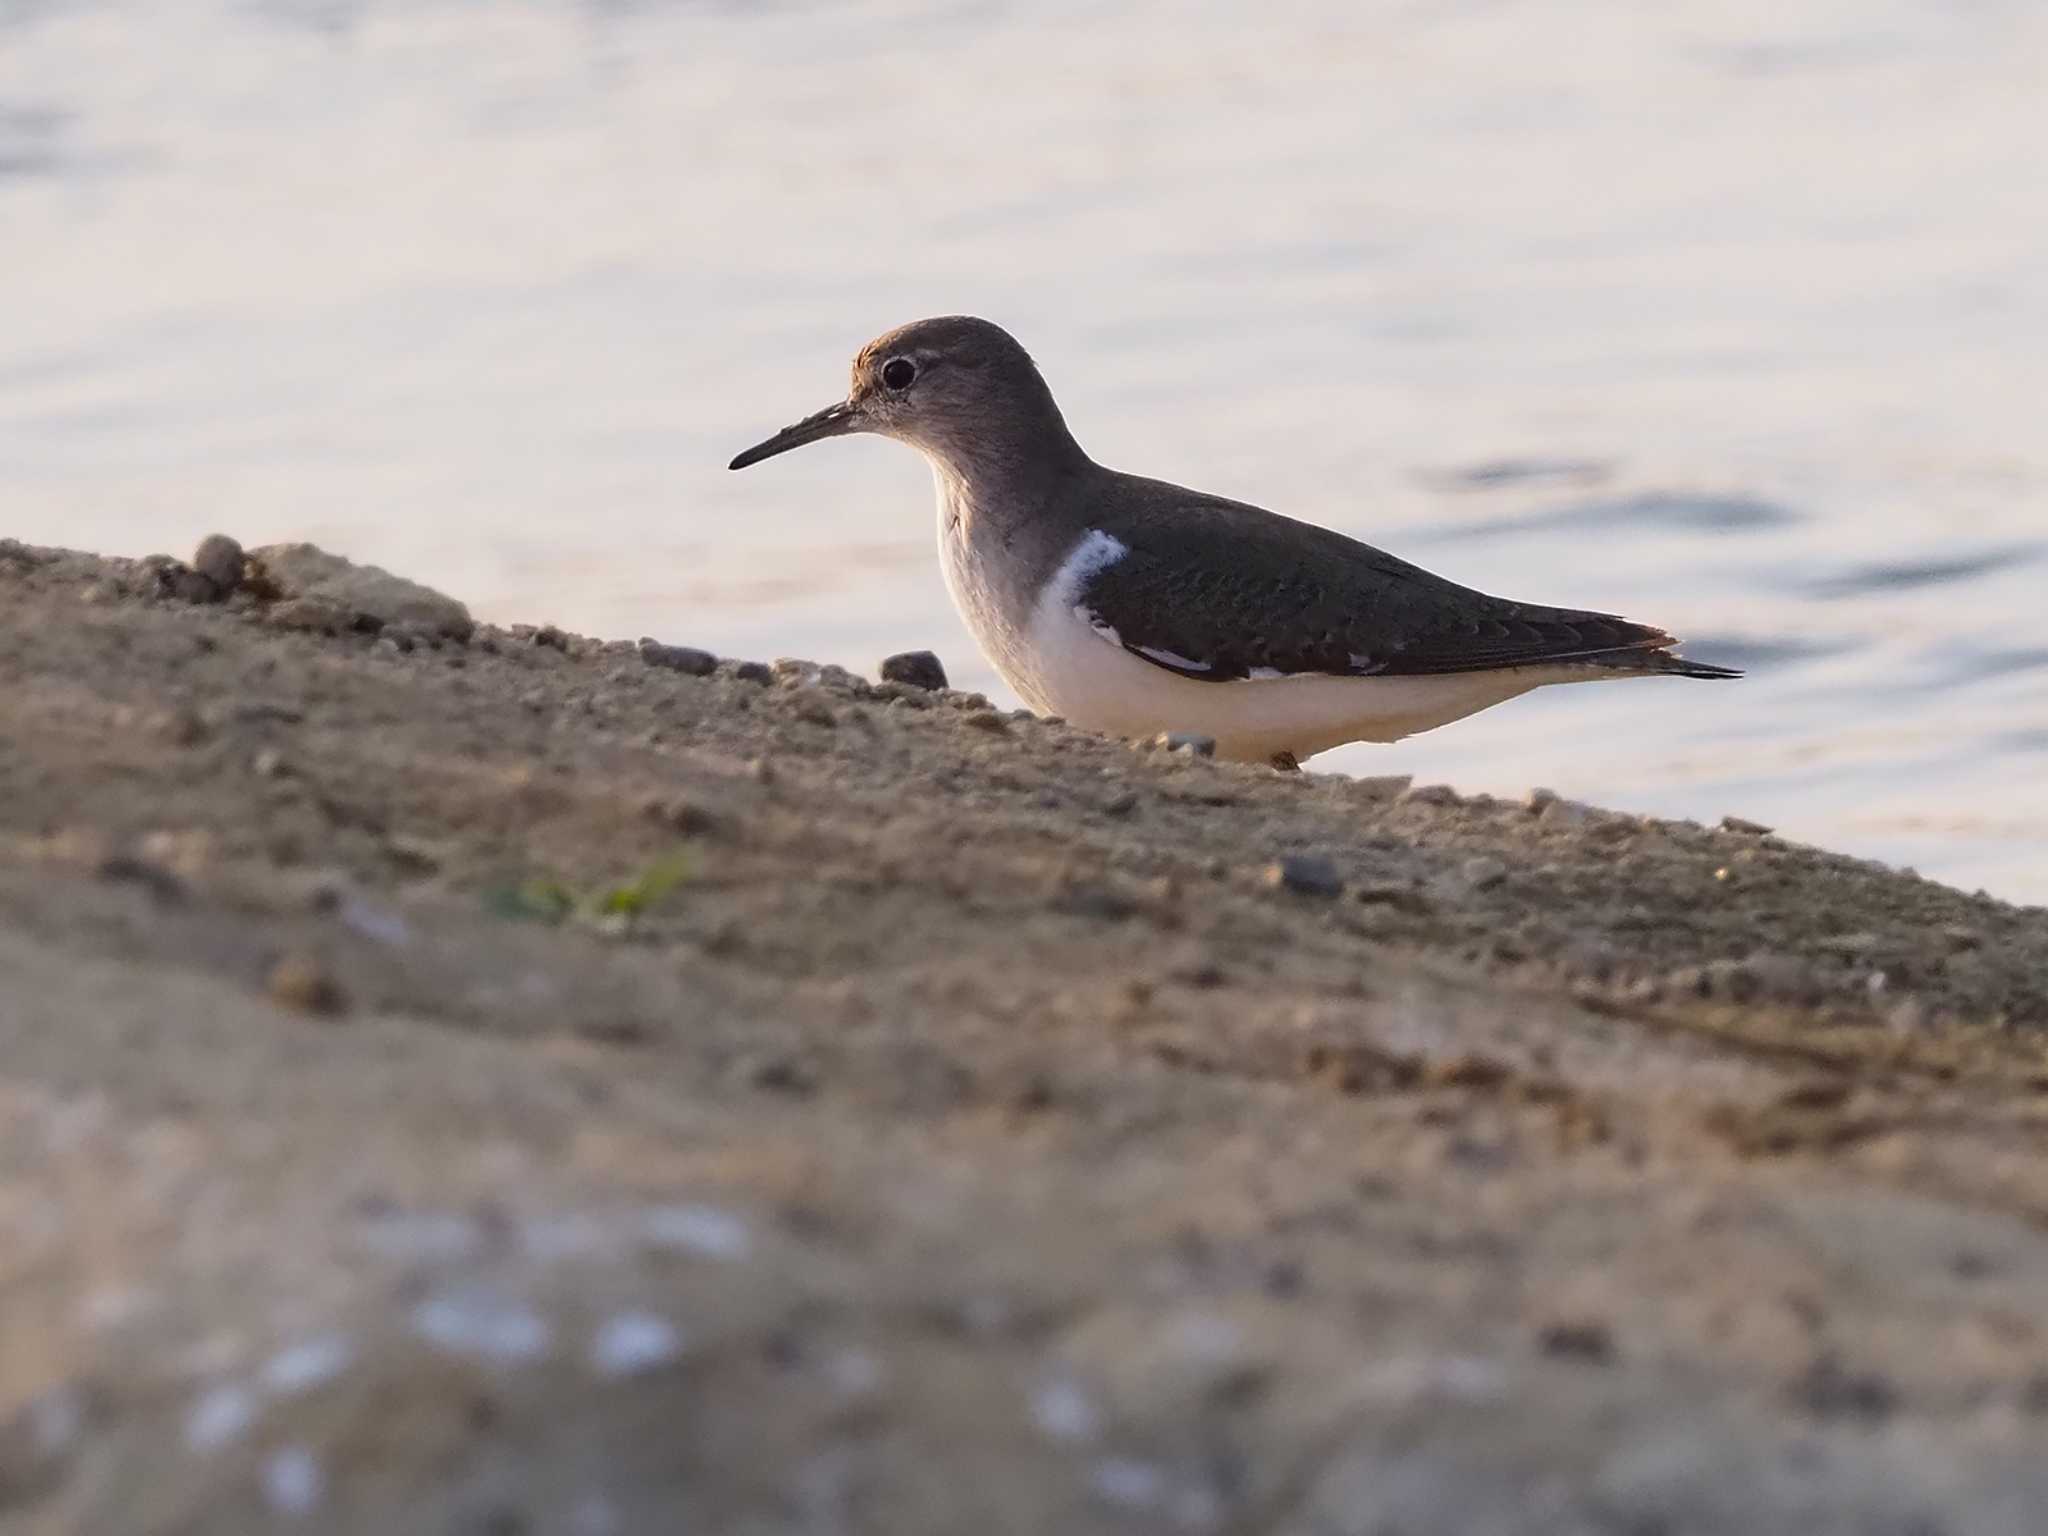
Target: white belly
(1061, 664)
(1078, 673)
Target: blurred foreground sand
(484, 1081)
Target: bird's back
(1243, 592)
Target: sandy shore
(466, 1080)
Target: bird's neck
(994, 482)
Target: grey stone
(221, 561)
(1744, 826)
(1306, 874)
(686, 659)
(919, 669)
(1482, 873)
(371, 598)
(317, 615)
(1381, 786)
(1427, 794)
(188, 586)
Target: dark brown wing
(1217, 590)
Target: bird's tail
(1658, 659)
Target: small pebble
(686, 659)
(221, 561)
(986, 720)
(161, 883)
(1828, 1389)
(839, 680)
(1128, 1482)
(1091, 899)
(183, 728)
(477, 1325)
(300, 982)
(1384, 786)
(753, 672)
(1427, 794)
(1063, 1411)
(191, 587)
(918, 669)
(1482, 874)
(219, 1416)
(55, 1418)
(308, 1364)
(1306, 874)
(1565, 813)
(632, 1343)
(697, 1228)
(1908, 1016)
(312, 614)
(1744, 826)
(680, 814)
(1587, 1341)
(292, 1481)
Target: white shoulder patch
(1095, 551)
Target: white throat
(985, 599)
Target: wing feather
(1219, 591)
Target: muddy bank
(456, 1078)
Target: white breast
(999, 627)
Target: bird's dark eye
(898, 372)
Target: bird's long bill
(830, 422)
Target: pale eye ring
(898, 372)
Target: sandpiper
(1132, 607)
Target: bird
(1135, 607)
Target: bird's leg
(1284, 762)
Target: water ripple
(1906, 575)
(1675, 510)
(1975, 666)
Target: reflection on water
(1727, 316)
(1933, 571)
(1685, 513)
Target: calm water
(1731, 316)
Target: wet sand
(466, 1079)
